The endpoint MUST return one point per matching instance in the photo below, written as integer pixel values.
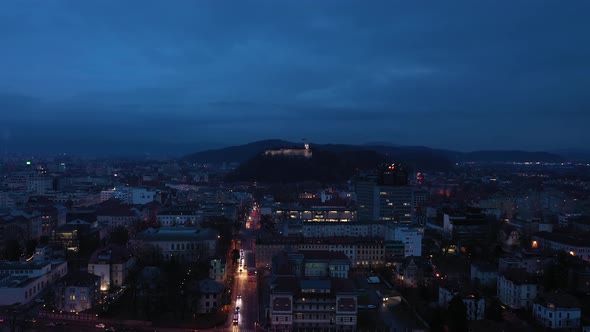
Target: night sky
(150, 76)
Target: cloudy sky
(147, 76)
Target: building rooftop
(111, 254)
(558, 300)
(23, 265)
(344, 240)
(323, 255)
(79, 279)
(578, 240)
(177, 234)
(520, 277)
(485, 266)
(208, 286)
(315, 284)
(8, 281)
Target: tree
(235, 256)
(31, 246)
(457, 315)
(12, 250)
(437, 321)
(119, 235)
(494, 311)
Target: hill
(239, 153)
(415, 157)
(324, 166)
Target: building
(355, 229)
(129, 195)
(121, 216)
(181, 244)
(21, 282)
(77, 291)
(557, 311)
(475, 302)
(362, 251)
(517, 288)
(112, 264)
(173, 218)
(218, 269)
(411, 237)
(209, 296)
(318, 214)
(484, 274)
(314, 263)
(312, 303)
(385, 196)
(39, 184)
(304, 153)
(71, 235)
(410, 272)
(469, 227)
(574, 244)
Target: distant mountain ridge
(416, 156)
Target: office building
(385, 196)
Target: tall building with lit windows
(385, 196)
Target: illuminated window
(72, 297)
(535, 244)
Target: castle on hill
(290, 152)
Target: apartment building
(77, 292)
(517, 288)
(557, 311)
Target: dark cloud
(460, 74)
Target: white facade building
(76, 292)
(181, 244)
(485, 274)
(571, 244)
(356, 229)
(517, 288)
(410, 236)
(21, 282)
(129, 195)
(112, 264)
(39, 185)
(557, 311)
(218, 269)
(170, 219)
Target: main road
(245, 293)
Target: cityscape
(170, 245)
(294, 166)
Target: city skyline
(187, 76)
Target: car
(372, 306)
(1, 320)
(239, 296)
(31, 320)
(51, 324)
(100, 326)
(39, 300)
(111, 329)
